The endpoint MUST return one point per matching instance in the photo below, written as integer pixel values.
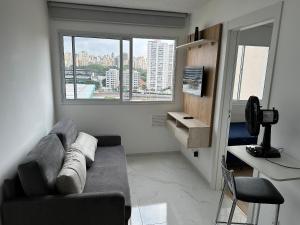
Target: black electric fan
(255, 116)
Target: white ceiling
(164, 5)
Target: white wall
(285, 88)
(131, 121)
(25, 80)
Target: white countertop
(271, 170)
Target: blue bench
(238, 135)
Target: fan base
(260, 152)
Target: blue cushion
(239, 135)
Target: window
(123, 69)
(153, 69)
(250, 72)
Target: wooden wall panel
(207, 55)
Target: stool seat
(257, 190)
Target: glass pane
(153, 69)
(238, 71)
(254, 71)
(126, 78)
(97, 68)
(68, 61)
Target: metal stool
(248, 189)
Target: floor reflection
(167, 190)
(155, 214)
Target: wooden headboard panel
(207, 56)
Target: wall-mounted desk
(271, 170)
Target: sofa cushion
(109, 174)
(41, 166)
(66, 131)
(87, 144)
(12, 188)
(71, 178)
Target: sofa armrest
(108, 140)
(75, 209)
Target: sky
(99, 47)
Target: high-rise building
(112, 79)
(160, 65)
(125, 59)
(140, 62)
(68, 59)
(107, 60)
(135, 80)
(82, 58)
(171, 65)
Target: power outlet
(196, 153)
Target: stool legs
(257, 214)
(277, 215)
(231, 212)
(220, 204)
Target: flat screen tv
(193, 80)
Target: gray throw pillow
(38, 171)
(66, 131)
(71, 179)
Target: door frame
(266, 15)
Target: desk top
(271, 170)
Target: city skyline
(84, 59)
(101, 47)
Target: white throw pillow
(71, 179)
(87, 144)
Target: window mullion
(74, 67)
(130, 68)
(241, 74)
(121, 70)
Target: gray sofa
(30, 197)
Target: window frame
(239, 101)
(120, 37)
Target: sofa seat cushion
(109, 174)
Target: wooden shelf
(195, 44)
(192, 133)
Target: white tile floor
(167, 190)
